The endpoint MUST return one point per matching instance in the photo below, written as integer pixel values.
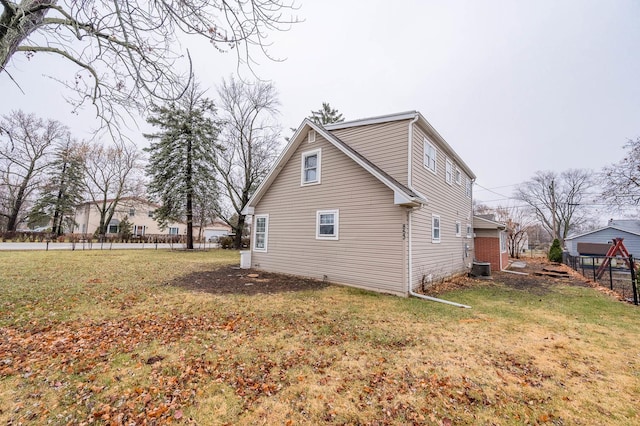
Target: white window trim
(458, 176)
(469, 231)
(433, 228)
(448, 172)
(503, 242)
(435, 156)
(311, 136)
(266, 233)
(336, 225)
(458, 228)
(468, 188)
(306, 154)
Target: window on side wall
(503, 242)
(327, 223)
(435, 228)
(469, 231)
(458, 175)
(173, 230)
(468, 187)
(260, 236)
(448, 171)
(458, 229)
(310, 169)
(430, 156)
(311, 136)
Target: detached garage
(588, 243)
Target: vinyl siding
(370, 252)
(385, 145)
(433, 261)
(631, 241)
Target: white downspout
(410, 230)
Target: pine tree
(63, 190)
(181, 157)
(326, 115)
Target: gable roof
(407, 115)
(402, 194)
(628, 230)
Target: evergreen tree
(326, 115)
(124, 229)
(555, 252)
(181, 157)
(63, 190)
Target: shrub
(555, 252)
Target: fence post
(610, 276)
(634, 282)
(593, 264)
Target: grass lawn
(100, 337)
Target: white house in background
(382, 203)
(624, 228)
(138, 212)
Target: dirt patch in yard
(535, 275)
(233, 280)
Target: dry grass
(89, 337)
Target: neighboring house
(382, 203)
(138, 212)
(212, 231)
(490, 242)
(627, 229)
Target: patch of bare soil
(537, 276)
(233, 280)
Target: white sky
(513, 86)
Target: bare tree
(250, 137)
(24, 150)
(111, 173)
(128, 53)
(519, 224)
(621, 181)
(557, 200)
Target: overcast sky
(513, 86)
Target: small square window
(435, 228)
(430, 156)
(327, 224)
(311, 136)
(310, 168)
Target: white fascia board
(372, 120)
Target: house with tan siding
(382, 203)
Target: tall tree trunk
(189, 176)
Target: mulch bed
(233, 280)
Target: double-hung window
(458, 228)
(327, 222)
(430, 155)
(448, 171)
(261, 232)
(310, 167)
(468, 187)
(435, 228)
(469, 231)
(173, 230)
(458, 176)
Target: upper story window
(261, 232)
(458, 176)
(132, 212)
(310, 167)
(469, 231)
(435, 228)
(467, 188)
(150, 213)
(448, 171)
(458, 228)
(327, 222)
(430, 155)
(311, 136)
